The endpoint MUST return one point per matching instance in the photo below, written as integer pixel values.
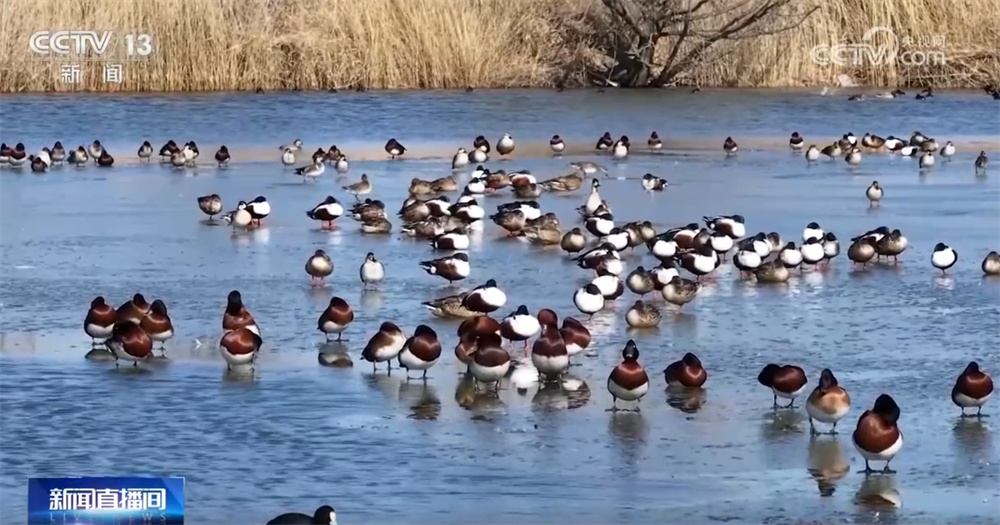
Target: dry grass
(206, 45)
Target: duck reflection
(240, 375)
(782, 425)
(945, 283)
(483, 404)
(386, 384)
(973, 440)
(421, 398)
(629, 431)
(371, 299)
(827, 464)
(687, 400)
(261, 235)
(879, 493)
(568, 393)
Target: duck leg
(888, 470)
(614, 404)
(979, 413)
(833, 431)
(775, 403)
(868, 469)
(812, 428)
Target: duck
(520, 325)
(628, 380)
(591, 259)
(5, 152)
(384, 346)
(680, 291)
(421, 351)
(812, 252)
(236, 314)
(324, 515)
(145, 151)
(890, 94)
(557, 145)
(222, 156)
(601, 223)
(335, 318)
(563, 183)
(481, 143)
(239, 217)
(17, 156)
(319, 266)
(37, 164)
(686, 373)
(812, 153)
(132, 310)
(376, 226)
(773, 271)
(167, 150)
(853, 157)
(368, 210)
(812, 231)
(981, 161)
(451, 267)
(372, 271)
(312, 171)
(527, 190)
(862, 251)
(478, 325)
(479, 154)
(363, 187)
(872, 142)
(239, 347)
(892, 245)
(394, 148)
(177, 159)
(747, 261)
(541, 233)
(643, 315)
(785, 381)
(929, 145)
(326, 212)
(96, 150)
(700, 262)
(548, 353)
(513, 221)
(874, 193)
(790, 256)
(944, 257)
(948, 149)
(605, 142)
(505, 146)
(733, 226)
(258, 209)
(105, 160)
(651, 182)
(156, 323)
(460, 159)
(730, 146)
(319, 155)
(877, 436)
(833, 150)
(128, 342)
(485, 298)
(831, 247)
(926, 160)
(828, 403)
(58, 154)
(589, 299)
(909, 151)
(620, 150)
(295, 146)
(991, 264)
(796, 142)
(490, 362)
(588, 168)
(654, 143)
(972, 389)
(469, 212)
(574, 333)
(190, 152)
(640, 282)
(449, 307)
(100, 321)
(455, 239)
(893, 144)
(342, 165)
(609, 284)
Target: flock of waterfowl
(129, 332)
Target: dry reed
(211, 45)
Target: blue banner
(112, 501)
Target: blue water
(384, 450)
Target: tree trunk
(634, 64)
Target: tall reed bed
(207, 45)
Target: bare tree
(692, 26)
